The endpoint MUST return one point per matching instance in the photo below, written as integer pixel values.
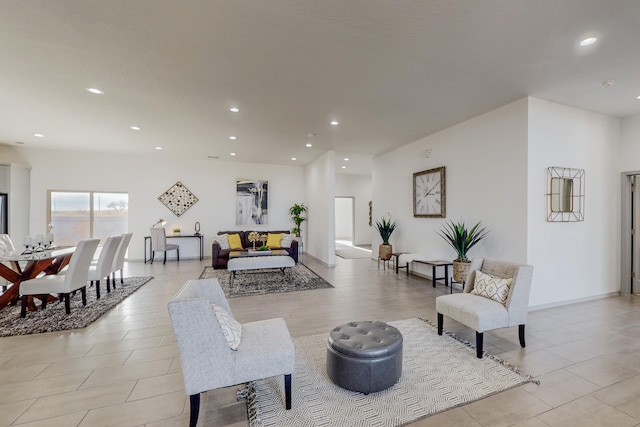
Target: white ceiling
(390, 72)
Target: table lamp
(161, 222)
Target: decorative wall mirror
(565, 194)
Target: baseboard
(573, 301)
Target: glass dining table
(16, 268)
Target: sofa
(220, 257)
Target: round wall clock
(429, 193)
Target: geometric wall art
(178, 198)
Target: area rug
(54, 318)
(267, 281)
(438, 373)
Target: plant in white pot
(385, 227)
(461, 240)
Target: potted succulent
(296, 212)
(461, 240)
(385, 227)
(176, 231)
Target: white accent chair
(6, 248)
(265, 350)
(63, 284)
(118, 260)
(102, 268)
(483, 314)
(159, 244)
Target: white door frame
(625, 240)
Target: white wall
(578, 259)
(629, 159)
(344, 218)
(486, 180)
(358, 187)
(319, 179)
(147, 177)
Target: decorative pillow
(492, 287)
(223, 241)
(273, 240)
(286, 240)
(234, 241)
(231, 328)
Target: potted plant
(461, 240)
(385, 227)
(296, 212)
(176, 231)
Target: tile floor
(124, 369)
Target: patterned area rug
(267, 281)
(352, 252)
(54, 318)
(438, 373)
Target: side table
(434, 265)
(397, 261)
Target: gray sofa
(265, 349)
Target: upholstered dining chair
(159, 244)
(75, 278)
(118, 259)
(6, 247)
(102, 268)
(486, 303)
(263, 349)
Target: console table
(434, 265)
(200, 237)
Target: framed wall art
(429, 197)
(252, 202)
(178, 199)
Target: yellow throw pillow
(492, 287)
(273, 240)
(234, 241)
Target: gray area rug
(438, 373)
(267, 281)
(54, 318)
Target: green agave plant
(461, 239)
(385, 227)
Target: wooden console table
(147, 242)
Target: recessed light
(233, 138)
(232, 154)
(293, 158)
(588, 41)
(134, 127)
(308, 145)
(638, 97)
(334, 123)
(344, 167)
(158, 148)
(95, 90)
(234, 109)
(38, 135)
(346, 159)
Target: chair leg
(178, 254)
(83, 291)
(67, 303)
(521, 335)
(440, 320)
(97, 289)
(108, 285)
(153, 255)
(23, 309)
(195, 409)
(121, 278)
(44, 300)
(165, 257)
(479, 340)
(287, 391)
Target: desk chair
(159, 244)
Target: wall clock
(429, 193)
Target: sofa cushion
(223, 241)
(492, 287)
(231, 328)
(273, 240)
(286, 240)
(234, 241)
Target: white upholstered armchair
(208, 362)
(483, 313)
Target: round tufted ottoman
(364, 356)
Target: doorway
(630, 229)
(345, 220)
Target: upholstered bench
(258, 262)
(364, 356)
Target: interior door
(635, 236)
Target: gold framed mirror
(565, 194)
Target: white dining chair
(102, 268)
(118, 259)
(6, 248)
(159, 244)
(75, 278)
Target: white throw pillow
(223, 241)
(286, 240)
(492, 287)
(231, 328)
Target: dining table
(18, 267)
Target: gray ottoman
(364, 356)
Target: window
(80, 215)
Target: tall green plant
(296, 212)
(461, 239)
(385, 227)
